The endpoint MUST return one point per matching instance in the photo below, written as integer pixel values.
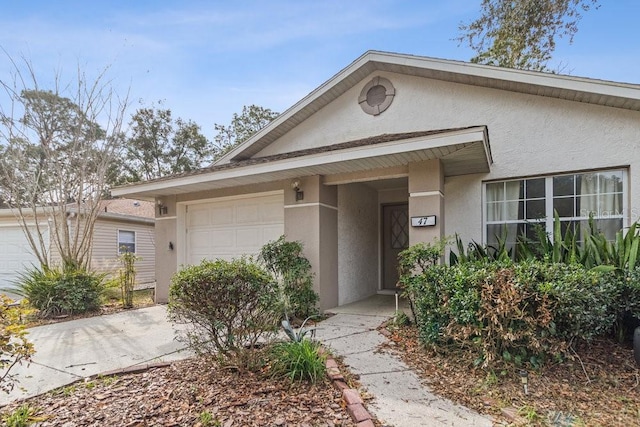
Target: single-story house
(122, 223)
(399, 149)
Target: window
(517, 207)
(126, 241)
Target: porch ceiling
(462, 151)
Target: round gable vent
(376, 96)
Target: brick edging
(351, 396)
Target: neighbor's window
(516, 207)
(126, 241)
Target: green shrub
(293, 271)
(23, 416)
(57, 291)
(227, 307)
(14, 346)
(298, 360)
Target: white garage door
(230, 228)
(15, 255)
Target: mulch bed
(188, 393)
(599, 387)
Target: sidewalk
(73, 350)
(400, 399)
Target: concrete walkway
(73, 350)
(400, 399)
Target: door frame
(381, 240)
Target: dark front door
(395, 238)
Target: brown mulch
(185, 394)
(599, 387)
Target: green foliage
(14, 346)
(207, 420)
(522, 33)
(227, 307)
(521, 313)
(294, 335)
(242, 127)
(161, 145)
(23, 416)
(478, 252)
(127, 277)
(58, 291)
(298, 360)
(293, 271)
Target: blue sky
(206, 59)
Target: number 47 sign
(423, 221)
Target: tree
(57, 145)
(522, 33)
(242, 127)
(161, 146)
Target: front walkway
(400, 399)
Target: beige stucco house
(399, 149)
(121, 223)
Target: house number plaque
(423, 221)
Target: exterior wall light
(162, 208)
(295, 185)
(524, 378)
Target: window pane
(126, 241)
(535, 209)
(513, 211)
(587, 183)
(609, 227)
(563, 185)
(495, 192)
(535, 188)
(514, 190)
(610, 204)
(610, 182)
(586, 205)
(564, 206)
(494, 211)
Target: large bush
(58, 291)
(285, 261)
(227, 308)
(521, 312)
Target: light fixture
(524, 378)
(295, 185)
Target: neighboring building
(121, 223)
(399, 149)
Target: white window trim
(135, 240)
(548, 221)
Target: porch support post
(426, 197)
(314, 222)
(166, 258)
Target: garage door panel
(198, 216)
(16, 255)
(235, 228)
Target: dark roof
(369, 141)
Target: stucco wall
(528, 135)
(358, 245)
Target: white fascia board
(476, 134)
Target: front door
(395, 238)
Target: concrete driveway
(69, 351)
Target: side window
(126, 241)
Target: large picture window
(126, 241)
(516, 207)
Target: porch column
(313, 221)
(426, 197)
(166, 242)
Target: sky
(207, 59)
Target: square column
(314, 222)
(426, 197)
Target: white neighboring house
(121, 222)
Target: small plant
(61, 290)
(298, 360)
(127, 276)
(294, 335)
(401, 319)
(23, 416)
(228, 308)
(14, 346)
(207, 420)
